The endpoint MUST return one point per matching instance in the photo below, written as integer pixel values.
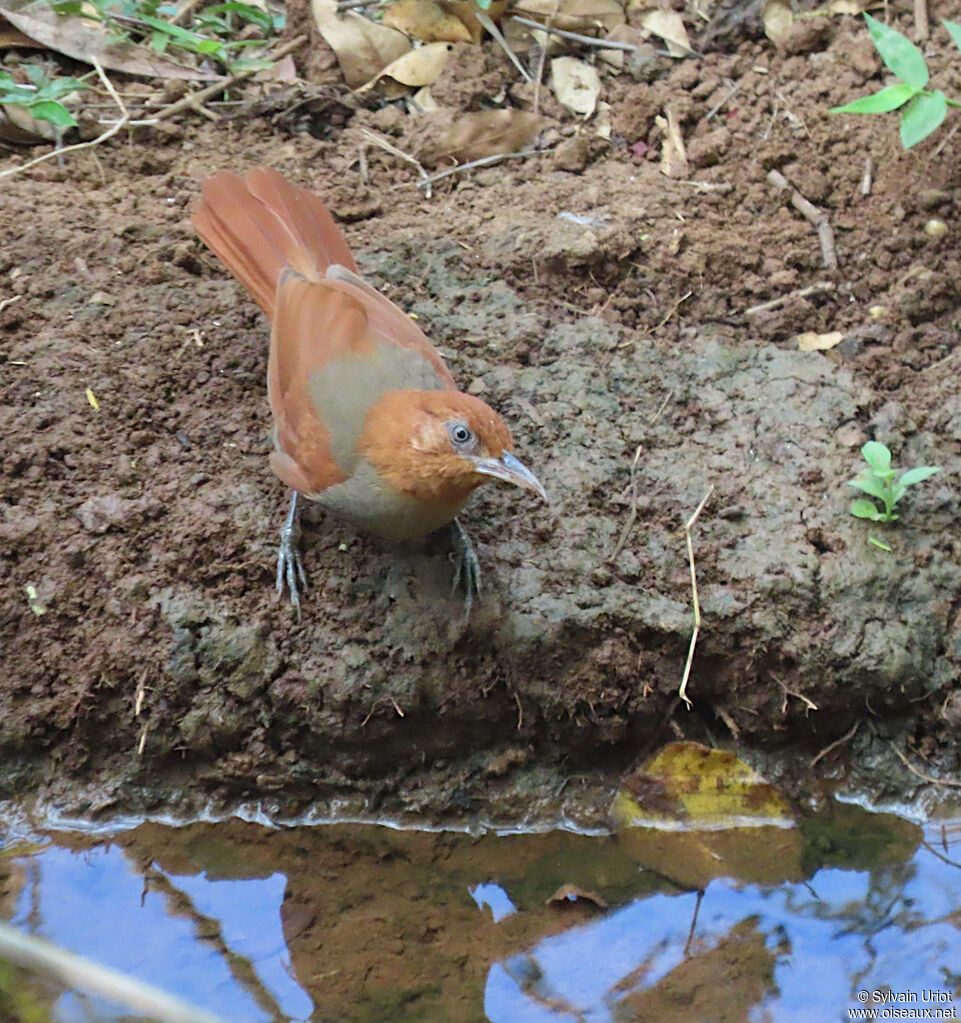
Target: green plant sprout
(923, 109)
(146, 20)
(41, 98)
(878, 481)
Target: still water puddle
(346, 923)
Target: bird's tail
(262, 224)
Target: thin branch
(485, 161)
(929, 778)
(682, 692)
(109, 133)
(848, 735)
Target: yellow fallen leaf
(669, 25)
(427, 21)
(585, 16)
(363, 47)
(92, 398)
(811, 342)
(34, 602)
(418, 68)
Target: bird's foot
(466, 565)
(290, 566)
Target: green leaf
(922, 116)
(55, 113)
(879, 543)
(869, 483)
(246, 11)
(899, 54)
(882, 102)
(877, 456)
(36, 75)
(954, 30)
(62, 87)
(913, 476)
(865, 509)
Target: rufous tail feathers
(261, 224)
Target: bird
(368, 421)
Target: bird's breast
(375, 507)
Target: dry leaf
(673, 154)
(466, 137)
(427, 21)
(811, 342)
(83, 40)
(836, 7)
(694, 813)
(10, 36)
(670, 27)
(571, 893)
(603, 126)
(417, 68)
(585, 16)
(363, 48)
(466, 10)
(778, 20)
(576, 85)
(621, 34)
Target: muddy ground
(607, 311)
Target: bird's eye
(460, 435)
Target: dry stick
(81, 974)
(632, 518)
(109, 133)
(604, 44)
(848, 735)
(682, 692)
(921, 27)
(484, 18)
(812, 289)
(867, 178)
(720, 103)
(929, 778)
(389, 147)
(813, 215)
(798, 696)
(947, 138)
(484, 161)
(195, 98)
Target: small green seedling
(42, 97)
(923, 109)
(878, 481)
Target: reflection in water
(348, 922)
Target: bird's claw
(466, 566)
(290, 565)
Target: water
(347, 923)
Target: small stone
(101, 298)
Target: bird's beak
(510, 469)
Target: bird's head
(441, 445)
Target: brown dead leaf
(363, 48)
(466, 10)
(466, 137)
(427, 21)
(571, 893)
(812, 342)
(586, 16)
(575, 84)
(10, 36)
(84, 40)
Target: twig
(109, 133)
(195, 98)
(848, 735)
(812, 289)
(867, 176)
(929, 778)
(389, 147)
(576, 37)
(921, 27)
(798, 696)
(813, 215)
(632, 518)
(947, 138)
(76, 972)
(729, 721)
(682, 692)
(485, 19)
(720, 103)
(721, 187)
(485, 161)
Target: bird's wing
(336, 347)
(261, 224)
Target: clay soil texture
(639, 334)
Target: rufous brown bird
(368, 421)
